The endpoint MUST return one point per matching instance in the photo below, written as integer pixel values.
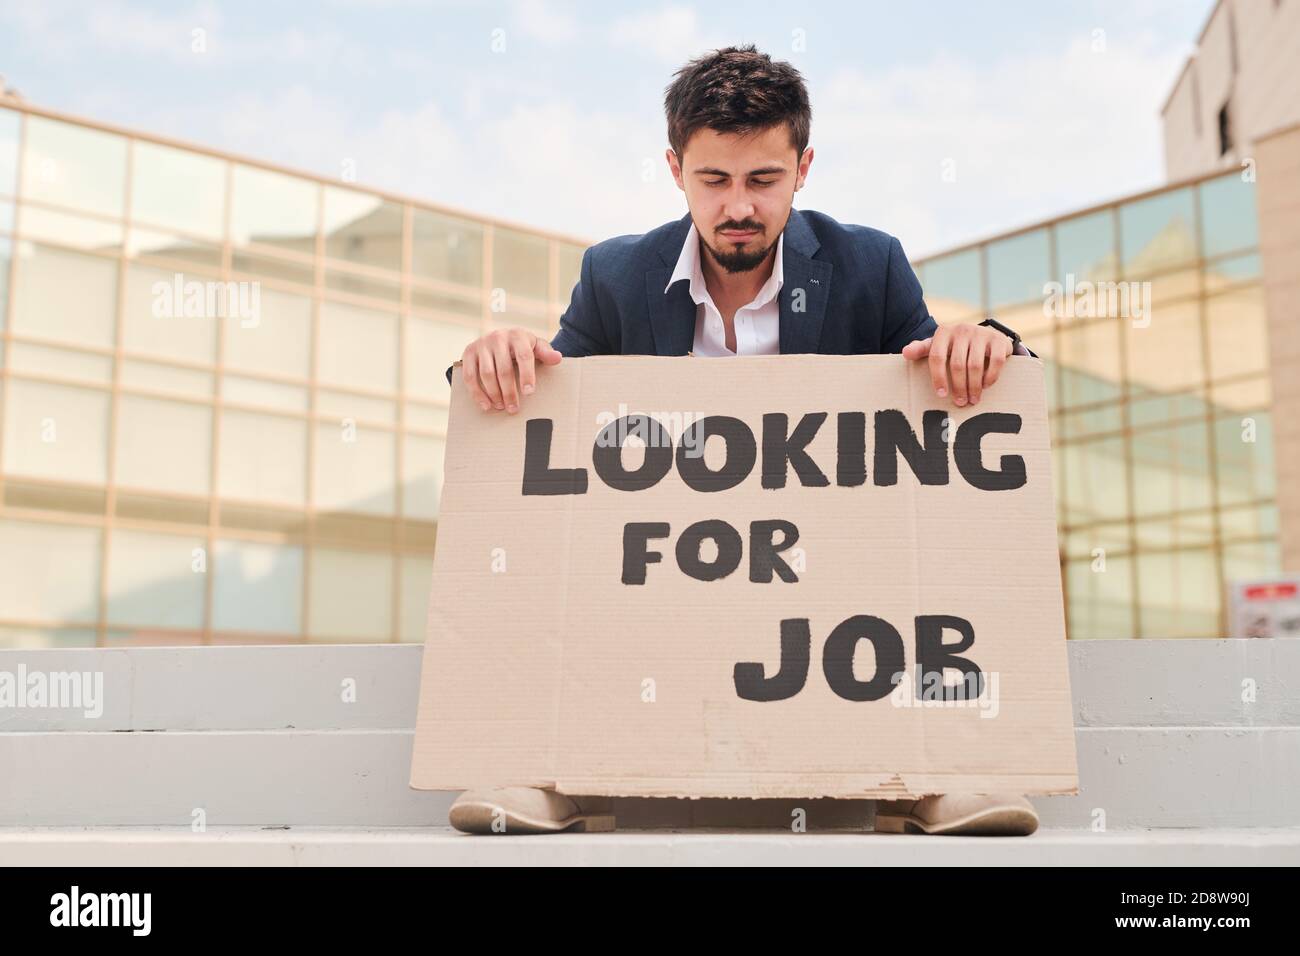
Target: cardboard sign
(1268, 607)
(774, 576)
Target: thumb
(542, 349)
(917, 349)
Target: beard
(740, 259)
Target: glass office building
(1156, 350)
(184, 461)
(179, 468)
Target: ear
(675, 168)
(804, 165)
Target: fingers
(960, 350)
(939, 360)
(976, 358)
(918, 349)
(521, 348)
(997, 360)
(500, 367)
(545, 354)
(504, 357)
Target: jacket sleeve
(581, 332)
(906, 317)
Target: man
(742, 273)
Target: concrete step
(321, 736)
(1113, 684)
(439, 846)
(1130, 777)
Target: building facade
(1240, 84)
(175, 468)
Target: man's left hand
(964, 359)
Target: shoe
(959, 814)
(516, 810)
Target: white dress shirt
(758, 325)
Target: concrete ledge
(443, 847)
(1139, 777)
(1113, 684)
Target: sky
(938, 122)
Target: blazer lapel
(672, 315)
(805, 288)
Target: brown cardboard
(542, 668)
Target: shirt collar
(688, 267)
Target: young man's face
(739, 189)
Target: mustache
(743, 227)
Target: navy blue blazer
(860, 294)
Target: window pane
(10, 123)
(1158, 233)
(74, 166)
(519, 264)
(1237, 326)
(431, 347)
(49, 572)
(154, 319)
(178, 189)
(262, 458)
(159, 377)
(152, 581)
(249, 391)
(1171, 469)
(417, 579)
(446, 248)
(1166, 354)
(63, 363)
(62, 295)
(422, 460)
(1018, 269)
(362, 228)
(358, 347)
(273, 209)
(952, 285)
(1089, 362)
(56, 432)
(69, 229)
(1228, 215)
(355, 469)
(1180, 594)
(190, 253)
(1256, 559)
(1243, 455)
(342, 406)
(6, 254)
(164, 446)
(258, 587)
(277, 343)
(1085, 248)
(1095, 481)
(351, 595)
(1101, 602)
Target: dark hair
(736, 90)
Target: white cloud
(545, 21)
(1027, 139)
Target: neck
(735, 286)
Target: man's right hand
(491, 364)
